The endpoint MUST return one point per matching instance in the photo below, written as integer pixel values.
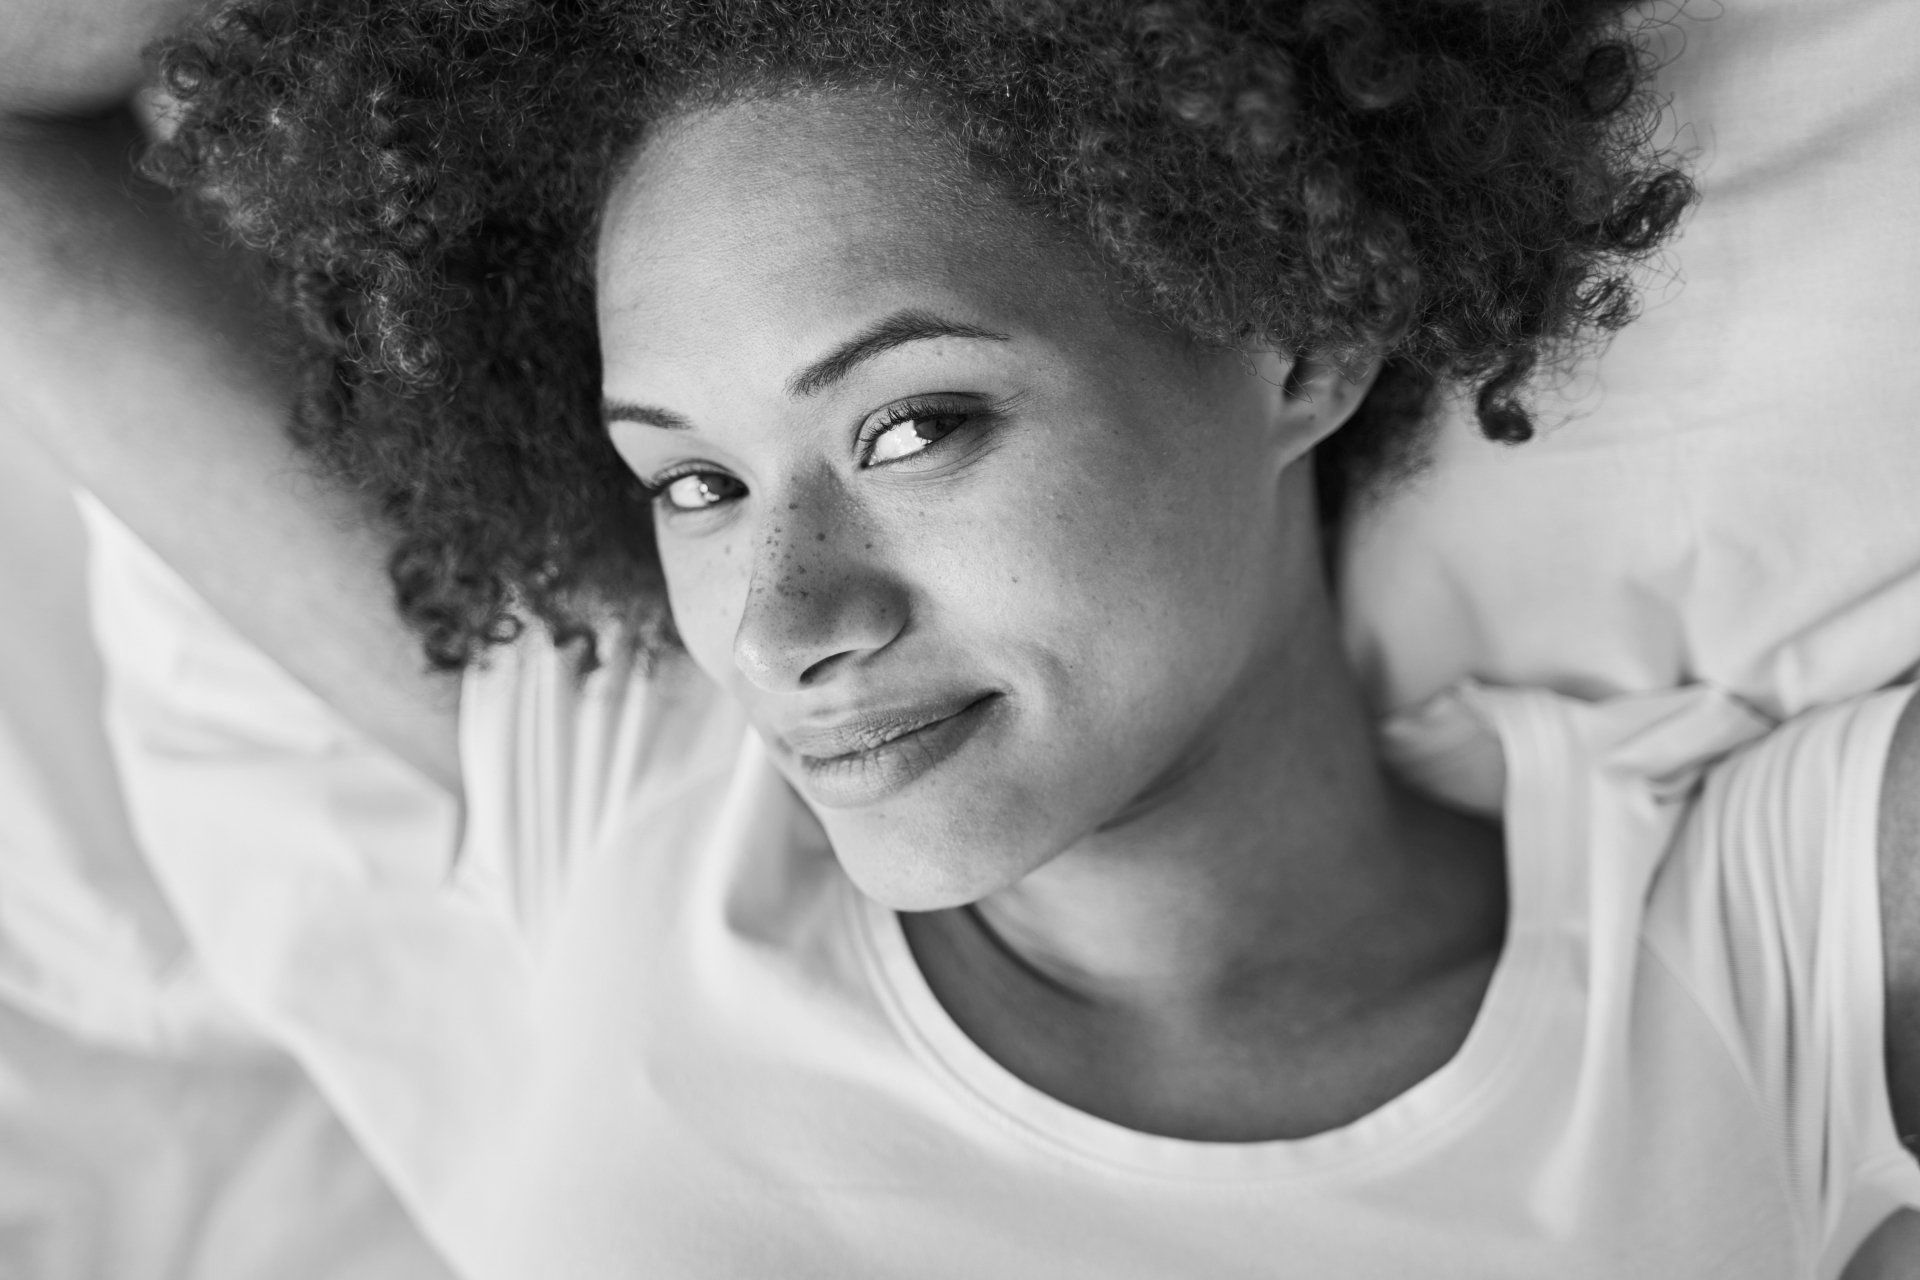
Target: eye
(905, 430)
(696, 490)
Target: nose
(818, 597)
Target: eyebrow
(896, 330)
(612, 411)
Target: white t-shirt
(718, 1060)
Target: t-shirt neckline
(1396, 1133)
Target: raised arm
(125, 353)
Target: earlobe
(1316, 399)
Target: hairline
(936, 120)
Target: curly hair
(1455, 187)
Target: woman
(972, 364)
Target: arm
(127, 357)
(1900, 921)
(1894, 1246)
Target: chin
(934, 863)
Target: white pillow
(1733, 493)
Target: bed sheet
(147, 1130)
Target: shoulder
(1767, 911)
(1780, 844)
(1813, 788)
(557, 760)
(533, 706)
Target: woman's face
(986, 558)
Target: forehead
(780, 223)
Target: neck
(1275, 831)
(1278, 850)
(1276, 897)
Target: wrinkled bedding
(147, 1130)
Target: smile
(861, 761)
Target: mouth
(860, 761)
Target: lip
(858, 761)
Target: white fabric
(695, 1051)
(86, 940)
(260, 812)
(146, 1131)
(1732, 501)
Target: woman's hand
(134, 360)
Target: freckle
(1016, 578)
(793, 506)
(819, 537)
(869, 546)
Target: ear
(1311, 399)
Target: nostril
(815, 600)
(797, 631)
(823, 670)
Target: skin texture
(1169, 815)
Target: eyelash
(909, 411)
(655, 488)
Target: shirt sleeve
(1770, 904)
(553, 760)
